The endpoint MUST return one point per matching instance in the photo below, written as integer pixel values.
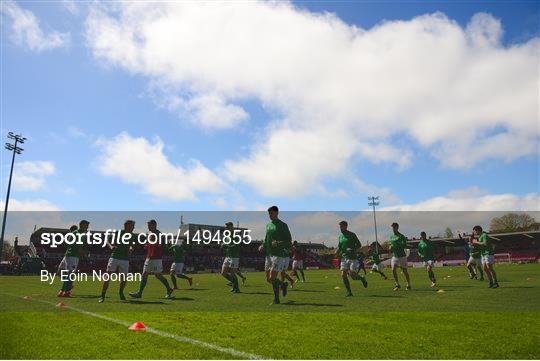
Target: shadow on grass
(294, 303)
(139, 302)
(195, 289)
(256, 293)
(446, 289)
(85, 296)
(182, 299)
(297, 290)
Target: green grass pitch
(315, 321)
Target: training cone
(61, 305)
(440, 291)
(137, 326)
(27, 297)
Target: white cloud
(71, 6)
(76, 132)
(208, 111)
(29, 205)
(141, 162)
(26, 30)
(343, 92)
(473, 199)
(385, 194)
(31, 175)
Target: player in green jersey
(231, 251)
(121, 247)
(71, 258)
(426, 250)
(398, 243)
(374, 256)
(277, 244)
(487, 251)
(298, 255)
(283, 274)
(178, 251)
(347, 250)
(474, 263)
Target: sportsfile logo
(119, 237)
(114, 236)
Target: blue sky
(91, 112)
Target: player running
(348, 245)
(154, 261)
(426, 250)
(361, 263)
(398, 243)
(71, 258)
(283, 274)
(277, 243)
(377, 266)
(474, 262)
(177, 266)
(487, 250)
(298, 255)
(119, 259)
(231, 250)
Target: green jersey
(231, 250)
(278, 231)
(348, 245)
(178, 252)
(375, 258)
(74, 250)
(487, 247)
(474, 250)
(426, 250)
(122, 246)
(398, 243)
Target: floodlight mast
(18, 138)
(374, 201)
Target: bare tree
(512, 222)
(7, 251)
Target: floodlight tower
(374, 201)
(16, 150)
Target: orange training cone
(27, 297)
(61, 305)
(137, 326)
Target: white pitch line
(183, 339)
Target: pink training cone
(137, 326)
(27, 297)
(61, 305)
